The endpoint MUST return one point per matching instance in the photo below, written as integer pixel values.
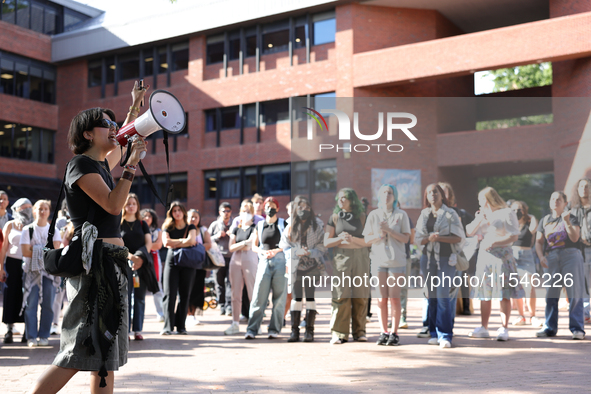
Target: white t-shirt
(502, 222)
(397, 221)
(39, 235)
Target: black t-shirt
(79, 203)
(175, 233)
(242, 234)
(444, 247)
(555, 233)
(133, 234)
(348, 223)
(271, 236)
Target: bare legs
(54, 378)
(486, 308)
(389, 290)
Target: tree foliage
(534, 189)
(521, 77)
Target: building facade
(239, 75)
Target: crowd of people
(270, 260)
(262, 250)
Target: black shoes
(383, 339)
(393, 340)
(8, 337)
(295, 326)
(310, 319)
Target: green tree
(534, 189)
(521, 77)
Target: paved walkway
(206, 361)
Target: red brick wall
(568, 7)
(25, 42)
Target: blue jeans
(442, 300)
(562, 262)
(587, 271)
(46, 310)
(270, 276)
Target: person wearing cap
(11, 270)
(270, 272)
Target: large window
(324, 27)
(147, 198)
(274, 37)
(27, 78)
(128, 64)
(41, 16)
(275, 111)
(274, 180)
(24, 142)
(323, 173)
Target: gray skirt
(72, 353)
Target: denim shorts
(393, 270)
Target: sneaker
(424, 333)
(191, 321)
(445, 344)
(15, 331)
(403, 324)
(393, 340)
(260, 331)
(31, 342)
(273, 335)
(433, 341)
(578, 335)
(54, 330)
(249, 335)
(337, 341)
(165, 332)
(182, 331)
(544, 334)
(362, 338)
(243, 318)
(367, 319)
(502, 334)
(535, 322)
(383, 339)
(138, 337)
(479, 332)
(228, 312)
(390, 325)
(160, 318)
(519, 321)
(222, 312)
(233, 329)
(588, 320)
(43, 342)
(8, 337)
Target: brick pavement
(206, 361)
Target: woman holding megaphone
(94, 329)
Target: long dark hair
(575, 199)
(299, 227)
(153, 214)
(169, 221)
(441, 192)
(356, 205)
(85, 121)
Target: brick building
(242, 74)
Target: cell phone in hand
(141, 86)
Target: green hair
(356, 205)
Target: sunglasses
(226, 211)
(106, 123)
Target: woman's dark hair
(198, 225)
(169, 222)
(153, 214)
(299, 228)
(356, 205)
(426, 203)
(575, 199)
(85, 121)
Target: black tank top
(525, 237)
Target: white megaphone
(165, 113)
